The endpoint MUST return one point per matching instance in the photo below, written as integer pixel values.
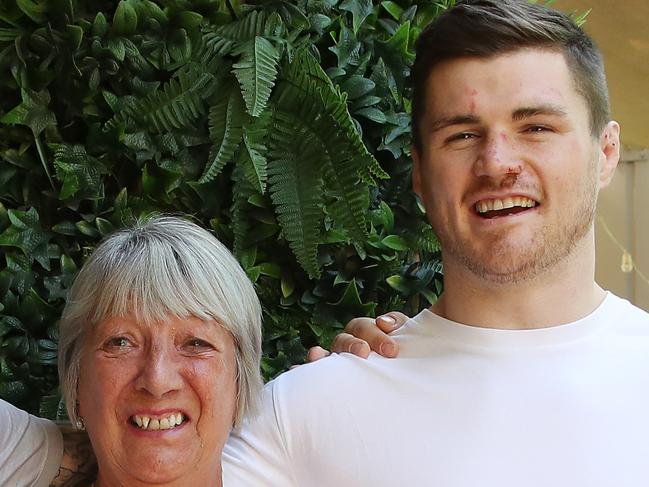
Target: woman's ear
(609, 152)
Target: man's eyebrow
(442, 123)
(527, 112)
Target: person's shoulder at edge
(629, 317)
(34, 447)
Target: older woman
(159, 352)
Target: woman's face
(158, 400)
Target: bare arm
(78, 465)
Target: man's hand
(362, 335)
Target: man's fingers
(391, 321)
(366, 329)
(316, 353)
(344, 342)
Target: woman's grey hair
(163, 266)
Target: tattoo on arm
(78, 465)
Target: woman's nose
(159, 373)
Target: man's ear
(416, 171)
(609, 152)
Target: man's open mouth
(494, 208)
(166, 422)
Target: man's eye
(537, 129)
(461, 136)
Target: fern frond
(321, 107)
(179, 104)
(241, 191)
(252, 158)
(222, 40)
(295, 185)
(307, 74)
(226, 129)
(256, 72)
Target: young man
(525, 372)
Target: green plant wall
(281, 126)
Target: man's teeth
(168, 422)
(502, 204)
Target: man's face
(508, 170)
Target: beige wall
(621, 29)
(623, 208)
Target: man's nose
(159, 373)
(497, 157)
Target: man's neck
(562, 294)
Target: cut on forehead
(531, 81)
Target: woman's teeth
(153, 424)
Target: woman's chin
(155, 458)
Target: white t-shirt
(462, 407)
(31, 448)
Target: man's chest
(486, 422)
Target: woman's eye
(196, 344)
(118, 342)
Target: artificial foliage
(281, 126)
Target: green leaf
(75, 33)
(77, 171)
(270, 269)
(347, 47)
(125, 19)
(178, 105)
(12, 392)
(395, 242)
(87, 229)
(398, 283)
(287, 285)
(296, 188)
(104, 226)
(359, 9)
(226, 131)
(65, 228)
(252, 158)
(26, 234)
(373, 114)
(357, 86)
(34, 10)
(351, 300)
(32, 112)
(116, 46)
(99, 25)
(393, 9)
(256, 72)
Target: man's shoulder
(627, 313)
(336, 372)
